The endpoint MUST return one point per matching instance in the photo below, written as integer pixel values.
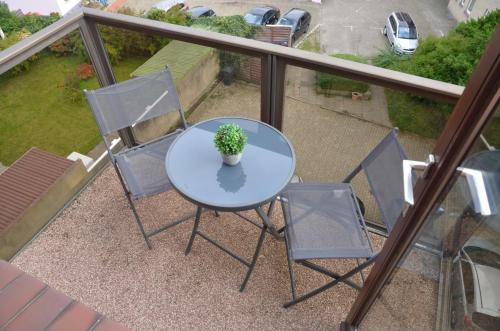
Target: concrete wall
(458, 8)
(40, 212)
(42, 7)
(190, 89)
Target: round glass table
(195, 168)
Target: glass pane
(42, 103)
(450, 280)
(210, 82)
(335, 122)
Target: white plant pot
(231, 160)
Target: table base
(266, 227)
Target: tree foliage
(232, 25)
(174, 15)
(11, 22)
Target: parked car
(167, 4)
(201, 11)
(475, 303)
(298, 19)
(262, 15)
(401, 32)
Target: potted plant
(230, 140)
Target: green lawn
(424, 118)
(35, 111)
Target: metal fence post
(102, 66)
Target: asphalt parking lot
(355, 26)
(347, 26)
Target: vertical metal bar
(265, 88)
(278, 91)
(254, 258)
(195, 229)
(102, 66)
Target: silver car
(401, 33)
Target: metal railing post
(278, 91)
(272, 90)
(265, 89)
(102, 66)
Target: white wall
(458, 8)
(42, 7)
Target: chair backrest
(383, 168)
(134, 101)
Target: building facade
(463, 10)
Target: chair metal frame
(369, 260)
(112, 156)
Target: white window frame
(470, 6)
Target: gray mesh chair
(324, 220)
(141, 169)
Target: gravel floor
(94, 253)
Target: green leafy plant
(451, 59)
(231, 25)
(230, 139)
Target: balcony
(93, 252)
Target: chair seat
(143, 167)
(322, 221)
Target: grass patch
(35, 111)
(328, 82)
(310, 44)
(425, 118)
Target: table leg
(195, 229)
(267, 221)
(255, 257)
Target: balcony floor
(94, 253)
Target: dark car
(298, 19)
(201, 11)
(262, 15)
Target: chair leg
(195, 230)
(138, 220)
(291, 274)
(255, 257)
(331, 284)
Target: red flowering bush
(84, 71)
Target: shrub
(451, 59)
(10, 40)
(72, 87)
(34, 22)
(232, 25)
(174, 15)
(70, 44)
(230, 139)
(332, 82)
(84, 71)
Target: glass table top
(195, 168)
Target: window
(470, 6)
(393, 24)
